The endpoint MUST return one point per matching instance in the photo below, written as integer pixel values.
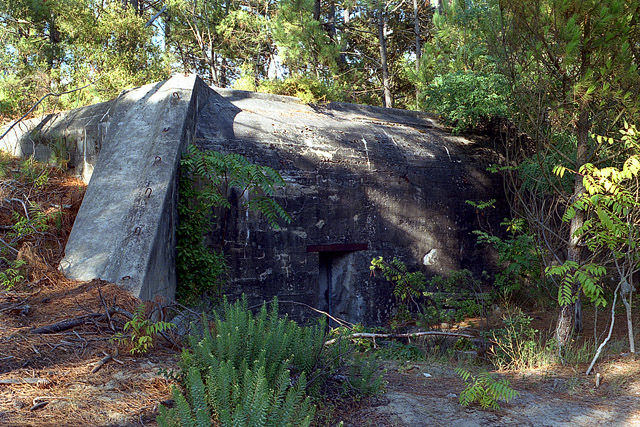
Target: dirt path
(546, 399)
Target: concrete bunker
(362, 181)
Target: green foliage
(12, 273)
(467, 100)
(308, 89)
(452, 297)
(235, 397)
(516, 345)
(14, 100)
(26, 223)
(260, 370)
(574, 278)
(59, 152)
(301, 40)
(57, 45)
(406, 285)
(209, 180)
(199, 269)
(142, 332)
(519, 257)
(485, 390)
(611, 200)
(33, 173)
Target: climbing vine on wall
(206, 182)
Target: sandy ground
(547, 398)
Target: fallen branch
(101, 363)
(42, 99)
(40, 382)
(104, 304)
(411, 335)
(606, 340)
(339, 321)
(70, 323)
(45, 401)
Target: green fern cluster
(261, 370)
(238, 397)
(243, 338)
(223, 172)
(485, 390)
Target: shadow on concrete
(355, 174)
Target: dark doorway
(337, 293)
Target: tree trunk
(626, 292)
(564, 328)
(331, 21)
(571, 315)
(388, 100)
(416, 29)
(54, 38)
(223, 73)
(316, 10)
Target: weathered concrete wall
(388, 179)
(71, 138)
(125, 229)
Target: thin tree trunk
(316, 10)
(331, 21)
(388, 100)
(626, 293)
(564, 328)
(416, 29)
(606, 340)
(571, 316)
(223, 73)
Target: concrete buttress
(125, 229)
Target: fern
(253, 370)
(485, 390)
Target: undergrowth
(485, 390)
(263, 370)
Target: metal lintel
(341, 247)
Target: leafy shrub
(262, 370)
(485, 390)
(408, 286)
(466, 99)
(14, 95)
(11, 273)
(452, 297)
(520, 258)
(516, 345)
(142, 331)
(308, 89)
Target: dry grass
(124, 391)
